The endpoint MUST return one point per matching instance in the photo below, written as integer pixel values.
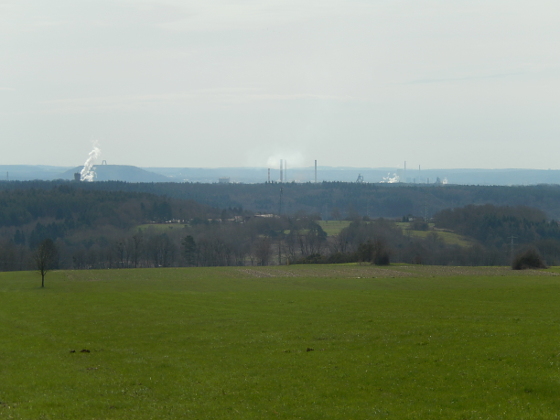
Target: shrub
(530, 258)
(376, 252)
(419, 224)
(381, 256)
(311, 259)
(341, 258)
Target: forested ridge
(79, 207)
(331, 199)
(117, 225)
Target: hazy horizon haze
(467, 84)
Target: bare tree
(135, 248)
(262, 251)
(161, 250)
(45, 258)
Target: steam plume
(294, 158)
(88, 172)
(390, 179)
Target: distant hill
(127, 173)
(212, 175)
(103, 173)
(30, 172)
(369, 175)
(119, 173)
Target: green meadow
(333, 227)
(290, 342)
(449, 238)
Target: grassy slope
(161, 227)
(447, 237)
(333, 228)
(404, 342)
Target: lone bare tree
(45, 258)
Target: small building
(223, 180)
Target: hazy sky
(371, 83)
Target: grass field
(333, 227)
(449, 238)
(296, 342)
(161, 227)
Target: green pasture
(449, 238)
(333, 227)
(290, 342)
(161, 227)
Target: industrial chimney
(315, 171)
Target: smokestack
(286, 170)
(281, 171)
(269, 175)
(315, 171)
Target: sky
(217, 83)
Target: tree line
(102, 228)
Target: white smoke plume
(294, 159)
(88, 171)
(390, 179)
